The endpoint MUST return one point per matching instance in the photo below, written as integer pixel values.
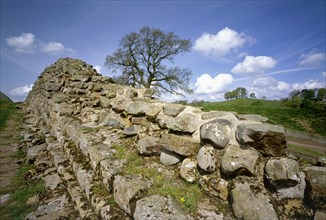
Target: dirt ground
(8, 164)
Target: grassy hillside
(6, 107)
(292, 118)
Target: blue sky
(268, 47)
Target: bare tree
(142, 59)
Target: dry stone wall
(80, 127)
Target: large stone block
(217, 133)
(185, 146)
(157, 207)
(128, 188)
(237, 161)
(251, 205)
(270, 140)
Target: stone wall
(86, 135)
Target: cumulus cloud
(312, 59)
(52, 47)
(311, 84)
(205, 84)
(21, 91)
(222, 43)
(254, 65)
(98, 68)
(270, 88)
(24, 43)
(27, 43)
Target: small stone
(52, 181)
(149, 146)
(206, 159)
(132, 130)
(188, 170)
(169, 158)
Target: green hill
(292, 118)
(6, 107)
(4, 98)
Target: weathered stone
(173, 109)
(132, 130)
(206, 159)
(169, 158)
(34, 151)
(4, 198)
(316, 190)
(282, 172)
(149, 146)
(98, 153)
(188, 170)
(53, 206)
(237, 161)
(119, 103)
(143, 108)
(111, 212)
(185, 122)
(293, 192)
(215, 186)
(266, 138)
(105, 102)
(52, 181)
(109, 168)
(85, 178)
(138, 120)
(320, 215)
(249, 204)
(252, 117)
(128, 188)
(216, 132)
(156, 207)
(181, 145)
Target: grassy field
(292, 118)
(6, 108)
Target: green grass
(292, 118)
(22, 190)
(305, 151)
(187, 195)
(6, 109)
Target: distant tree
(308, 94)
(142, 57)
(228, 96)
(264, 97)
(252, 95)
(294, 93)
(321, 94)
(241, 92)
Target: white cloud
(205, 84)
(24, 43)
(98, 68)
(27, 43)
(254, 65)
(52, 47)
(311, 84)
(225, 41)
(312, 59)
(270, 88)
(21, 91)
